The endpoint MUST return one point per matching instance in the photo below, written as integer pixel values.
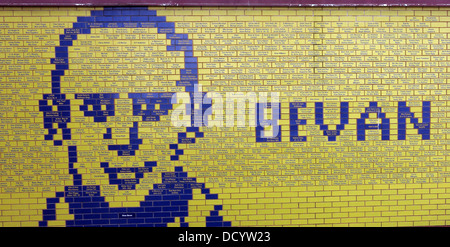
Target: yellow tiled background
(330, 55)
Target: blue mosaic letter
(423, 128)
(319, 121)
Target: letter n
(423, 128)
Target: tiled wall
(88, 137)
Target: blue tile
(122, 18)
(211, 196)
(131, 12)
(165, 29)
(161, 21)
(140, 18)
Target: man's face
(120, 82)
